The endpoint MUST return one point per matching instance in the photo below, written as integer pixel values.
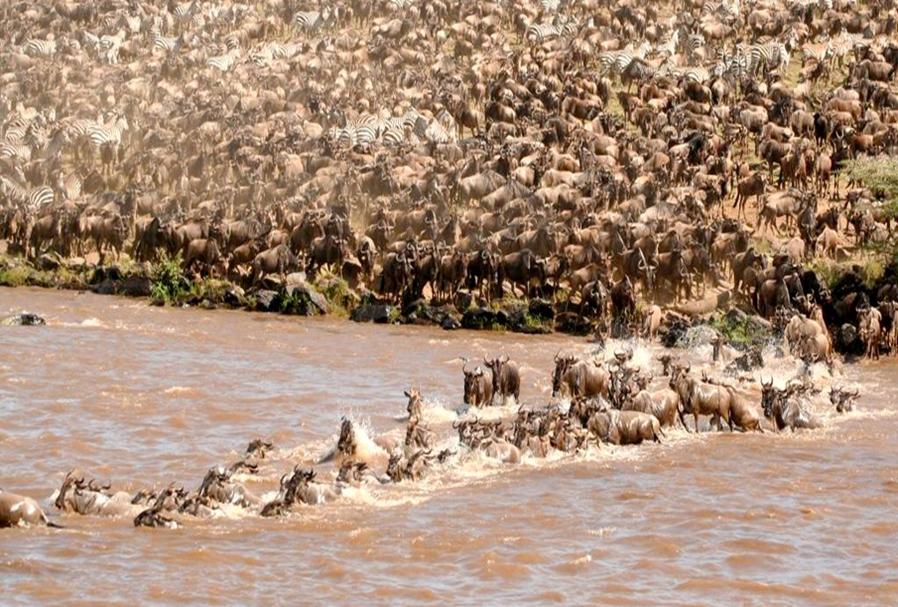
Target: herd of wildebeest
(601, 154)
(610, 402)
(587, 150)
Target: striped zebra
(167, 44)
(273, 51)
(769, 56)
(101, 134)
(399, 5)
(225, 62)
(844, 44)
(442, 129)
(544, 32)
(186, 10)
(310, 20)
(393, 130)
(725, 10)
(31, 201)
(731, 66)
(16, 151)
(40, 48)
(670, 47)
(616, 62)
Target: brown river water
(144, 396)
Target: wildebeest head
(258, 448)
(346, 444)
(769, 396)
(415, 404)
(69, 484)
(842, 399)
(472, 380)
(562, 364)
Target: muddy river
(144, 396)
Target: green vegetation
(210, 289)
(741, 332)
(169, 285)
(880, 175)
(336, 291)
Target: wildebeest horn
(505, 358)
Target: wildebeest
(478, 386)
(781, 406)
(20, 511)
(506, 378)
(575, 378)
(625, 427)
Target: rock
(675, 331)
(463, 300)
(132, 286)
(48, 263)
(735, 316)
(377, 313)
(483, 318)
(450, 324)
(104, 273)
(235, 297)
(572, 323)
(267, 300)
(541, 309)
(24, 319)
(847, 339)
(298, 288)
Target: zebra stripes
(616, 62)
(224, 62)
(31, 201)
(543, 32)
(310, 20)
(273, 51)
(100, 134)
(388, 130)
(40, 48)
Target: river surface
(144, 396)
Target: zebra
(399, 5)
(15, 151)
(224, 62)
(543, 32)
(670, 47)
(733, 66)
(550, 6)
(272, 51)
(615, 62)
(442, 129)
(31, 201)
(772, 55)
(40, 48)
(100, 134)
(168, 45)
(309, 20)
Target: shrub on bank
(169, 285)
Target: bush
(741, 331)
(169, 285)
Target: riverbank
(165, 284)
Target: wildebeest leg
(695, 417)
